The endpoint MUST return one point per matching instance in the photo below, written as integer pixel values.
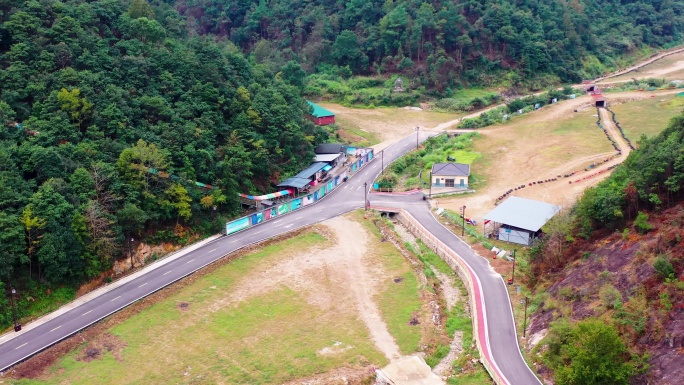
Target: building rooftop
(318, 111)
(523, 213)
(451, 169)
(329, 148)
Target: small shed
(319, 115)
(599, 99)
(450, 175)
(589, 85)
(519, 220)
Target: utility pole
(365, 196)
(513, 275)
(463, 228)
(382, 157)
(17, 325)
(430, 182)
(417, 130)
(525, 318)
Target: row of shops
(333, 164)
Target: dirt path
(334, 277)
(517, 162)
(642, 64)
(614, 132)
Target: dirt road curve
(614, 132)
(637, 66)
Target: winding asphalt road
(346, 198)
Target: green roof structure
(319, 112)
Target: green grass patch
(404, 173)
(478, 377)
(397, 301)
(648, 116)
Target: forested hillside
(614, 263)
(443, 44)
(95, 93)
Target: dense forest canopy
(443, 43)
(110, 110)
(94, 94)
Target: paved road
(345, 198)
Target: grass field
(266, 338)
(531, 143)
(648, 116)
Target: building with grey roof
(519, 220)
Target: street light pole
(430, 195)
(130, 250)
(17, 325)
(365, 196)
(382, 157)
(463, 228)
(417, 130)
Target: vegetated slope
(442, 43)
(617, 258)
(94, 94)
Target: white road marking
(235, 241)
(167, 272)
(140, 285)
(212, 250)
(288, 226)
(91, 310)
(279, 220)
(20, 345)
(300, 217)
(192, 259)
(56, 328)
(115, 299)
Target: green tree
(33, 227)
(587, 353)
(139, 163)
(140, 8)
(76, 106)
(179, 200)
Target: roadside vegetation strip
(474, 290)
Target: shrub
(589, 352)
(610, 296)
(641, 223)
(663, 267)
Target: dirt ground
(339, 276)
